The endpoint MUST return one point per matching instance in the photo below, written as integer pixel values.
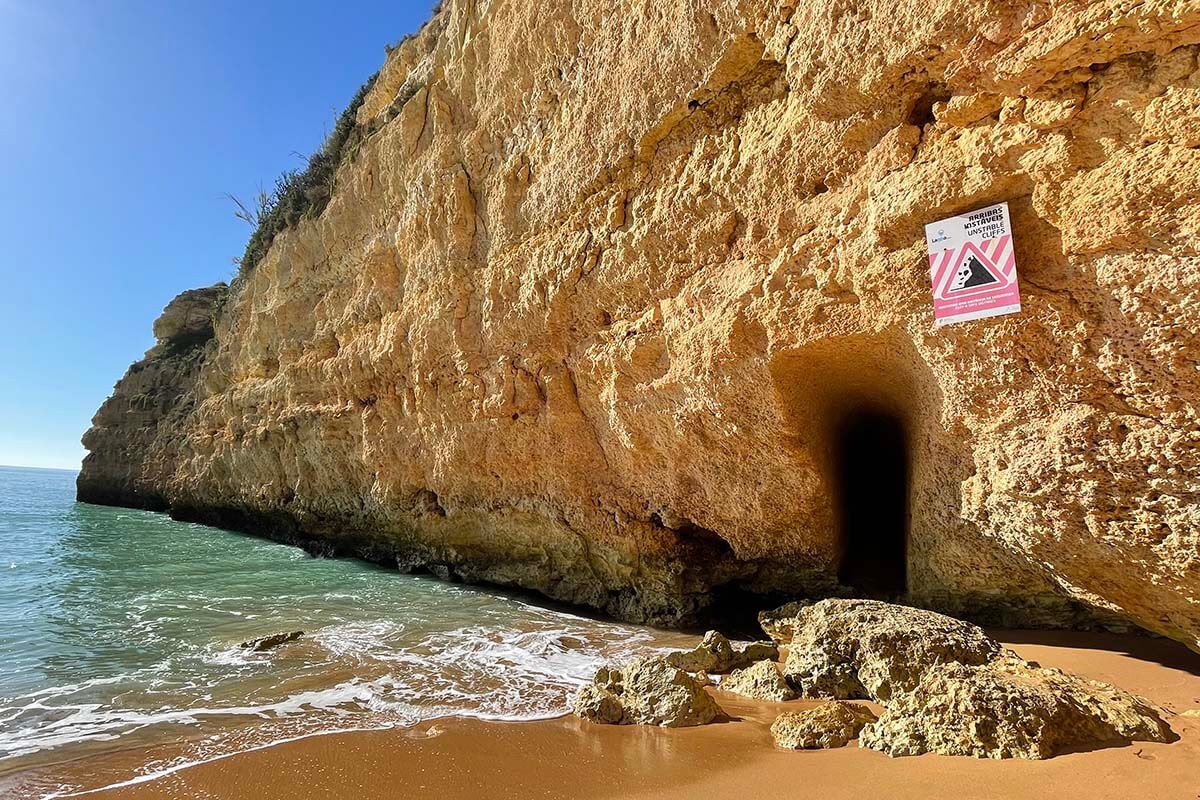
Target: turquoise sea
(120, 629)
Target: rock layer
(589, 302)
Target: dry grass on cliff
(300, 194)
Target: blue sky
(125, 123)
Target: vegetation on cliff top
(302, 194)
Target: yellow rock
(588, 309)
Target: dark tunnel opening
(871, 482)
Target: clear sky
(124, 124)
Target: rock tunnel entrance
(871, 485)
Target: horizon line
(50, 469)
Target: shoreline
(383, 548)
(567, 757)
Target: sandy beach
(565, 757)
(450, 399)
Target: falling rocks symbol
(972, 273)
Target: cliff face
(134, 439)
(593, 304)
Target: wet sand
(567, 758)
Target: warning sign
(972, 266)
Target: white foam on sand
(494, 670)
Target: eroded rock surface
(869, 649)
(188, 319)
(780, 623)
(759, 681)
(646, 691)
(828, 725)
(589, 301)
(713, 654)
(755, 652)
(134, 438)
(1010, 708)
(949, 688)
(716, 653)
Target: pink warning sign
(972, 266)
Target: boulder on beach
(867, 649)
(828, 725)
(596, 704)
(1010, 708)
(272, 641)
(646, 691)
(759, 681)
(713, 654)
(949, 688)
(716, 653)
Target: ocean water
(120, 629)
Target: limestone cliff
(133, 441)
(593, 298)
